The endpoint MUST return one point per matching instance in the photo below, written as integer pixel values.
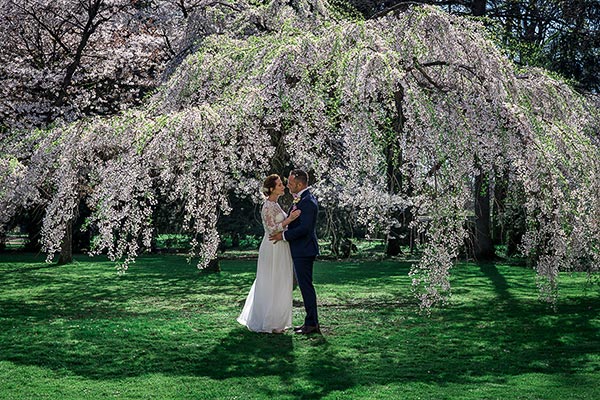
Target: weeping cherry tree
(421, 93)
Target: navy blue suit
(302, 236)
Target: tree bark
(66, 248)
(213, 267)
(89, 29)
(483, 245)
(478, 8)
(400, 231)
(33, 227)
(499, 204)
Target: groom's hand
(276, 237)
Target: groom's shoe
(307, 330)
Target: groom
(301, 234)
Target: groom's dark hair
(300, 175)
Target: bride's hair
(269, 184)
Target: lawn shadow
(78, 291)
(506, 335)
(248, 354)
(242, 353)
(499, 282)
(353, 272)
(505, 340)
(79, 318)
(83, 322)
(325, 369)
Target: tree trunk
(513, 239)
(400, 232)
(66, 248)
(478, 8)
(88, 30)
(393, 241)
(483, 246)
(213, 267)
(499, 208)
(33, 227)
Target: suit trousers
(303, 267)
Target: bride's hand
(294, 214)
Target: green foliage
(259, 3)
(165, 331)
(343, 9)
(173, 241)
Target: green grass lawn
(165, 331)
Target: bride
(268, 306)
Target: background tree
(560, 35)
(67, 59)
(64, 60)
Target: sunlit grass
(165, 331)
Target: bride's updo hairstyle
(269, 184)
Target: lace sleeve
(272, 217)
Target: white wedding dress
(269, 304)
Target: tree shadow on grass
(238, 354)
(247, 354)
(506, 335)
(72, 319)
(499, 282)
(325, 369)
(528, 338)
(84, 323)
(349, 272)
(242, 353)
(481, 345)
(79, 291)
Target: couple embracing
(288, 247)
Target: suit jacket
(301, 233)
